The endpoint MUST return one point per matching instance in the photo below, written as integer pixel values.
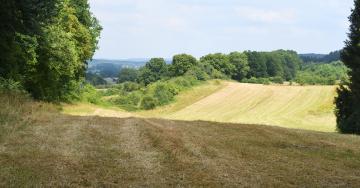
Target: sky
(163, 28)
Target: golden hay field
(300, 107)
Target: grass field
(301, 107)
(39, 147)
(298, 107)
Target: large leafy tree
(128, 75)
(154, 70)
(257, 63)
(182, 63)
(240, 62)
(220, 62)
(45, 45)
(348, 100)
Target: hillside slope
(302, 107)
(42, 148)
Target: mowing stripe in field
(303, 107)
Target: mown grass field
(299, 107)
(39, 147)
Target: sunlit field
(302, 107)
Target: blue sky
(162, 28)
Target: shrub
(277, 79)
(89, 94)
(148, 103)
(164, 93)
(9, 85)
(198, 73)
(130, 101)
(218, 75)
(130, 86)
(254, 80)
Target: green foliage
(45, 46)
(94, 79)
(181, 64)
(148, 103)
(241, 64)
(129, 101)
(9, 85)
(322, 74)
(89, 94)
(257, 63)
(347, 112)
(128, 75)
(332, 56)
(154, 70)
(348, 101)
(254, 80)
(272, 64)
(277, 80)
(199, 73)
(220, 62)
(130, 86)
(164, 93)
(134, 96)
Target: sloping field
(41, 148)
(303, 107)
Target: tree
(182, 63)
(257, 63)
(154, 70)
(274, 64)
(292, 63)
(95, 79)
(240, 62)
(45, 45)
(348, 100)
(128, 75)
(157, 65)
(220, 62)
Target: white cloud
(266, 16)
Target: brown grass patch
(55, 150)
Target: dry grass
(300, 107)
(54, 150)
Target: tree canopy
(45, 45)
(348, 100)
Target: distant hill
(111, 68)
(134, 63)
(325, 58)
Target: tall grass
(18, 111)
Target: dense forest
(45, 46)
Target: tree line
(44, 45)
(238, 66)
